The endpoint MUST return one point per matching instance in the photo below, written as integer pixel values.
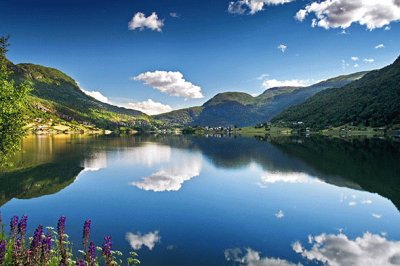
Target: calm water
(181, 200)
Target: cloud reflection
(149, 240)
(250, 257)
(280, 214)
(96, 162)
(172, 177)
(150, 154)
(335, 250)
(282, 177)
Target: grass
(273, 130)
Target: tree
(13, 100)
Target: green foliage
(241, 109)
(239, 97)
(181, 117)
(56, 93)
(13, 101)
(372, 101)
(51, 247)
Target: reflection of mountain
(49, 164)
(371, 165)
(45, 165)
(37, 181)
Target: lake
(187, 200)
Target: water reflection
(250, 257)
(280, 177)
(369, 249)
(310, 187)
(149, 154)
(149, 240)
(359, 164)
(329, 249)
(95, 162)
(182, 168)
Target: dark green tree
(13, 101)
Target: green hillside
(371, 101)
(242, 109)
(181, 117)
(57, 97)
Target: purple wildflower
(22, 226)
(46, 247)
(61, 233)
(17, 252)
(91, 254)
(36, 246)
(37, 238)
(107, 247)
(86, 233)
(2, 251)
(61, 226)
(80, 262)
(14, 226)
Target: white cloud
(171, 83)
(380, 46)
(336, 250)
(377, 216)
(343, 13)
(279, 214)
(149, 240)
(140, 21)
(250, 257)
(387, 28)
(97, 95)
(282, 47)
(94, 94)
(252, 6)
(273, 83)
(174, 15)
(356, 65)
(369, 60)
(354, 58)
(150, 107)
(171, 178)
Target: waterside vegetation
(51, 246)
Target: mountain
(57, 96)
(373, 100)
(242, 109)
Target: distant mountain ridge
(373, 100)
(56, 94)
(242, 109)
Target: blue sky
(199, 47)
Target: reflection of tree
(37, 181)
(12, 107)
